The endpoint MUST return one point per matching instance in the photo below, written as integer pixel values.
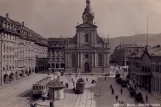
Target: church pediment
(86, 47)
(86, 25)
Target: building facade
(87, 51)
(122, 51)
(145, 70)
(19, 49)
(56, 54)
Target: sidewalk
(151, 98)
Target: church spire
(88, 3)
(88, 15)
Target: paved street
(17, 94)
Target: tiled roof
(31, 35)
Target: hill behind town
(140, 39)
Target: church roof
(86, 25)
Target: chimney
(23, 23)
(7, 15)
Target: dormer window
(86, 38)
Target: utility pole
(147, 33)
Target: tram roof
(44, 81)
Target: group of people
(140, 86)
(116, 96)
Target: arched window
(99, 59)
(86, 38)
(73, 60)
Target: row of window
(156, 68)
(9, 37)
(145, 69)
(156, 84)
(10, 56)
(57, 65)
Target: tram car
(40, 87)
(80, 85)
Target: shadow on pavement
(68, 91)
(26, 93)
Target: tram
(40, 87)
(80, 85)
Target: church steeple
(88, 15)
(88, 3)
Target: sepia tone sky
(52, 18)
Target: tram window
(39, 87)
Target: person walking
(116, 97)
(146, 98)
(113, 91)
(105, 78)
(35, 105)
(87, 79)
(74, 90)
(51, 103)
(111, 86)
(121, 91)
(66, 85)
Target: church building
(86, 52)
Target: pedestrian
(105, 78)
(72, 80)
(51, 103)
(67, 85)
(111, 86)
(74, 90)
(113, 91)
(146, 98)
(35, 105)
(31, 105)
(121, 91)
(116, 97)
(87, 79)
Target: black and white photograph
(80, 53)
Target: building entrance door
(86, 67)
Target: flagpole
(147, 32)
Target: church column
(95, 59)
(79, 38)
(103, 62)
(50, 50)
(107, 60)
(92, 39)
(79, 59)
(55, 54)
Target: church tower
(88, 15)
(86, 52)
